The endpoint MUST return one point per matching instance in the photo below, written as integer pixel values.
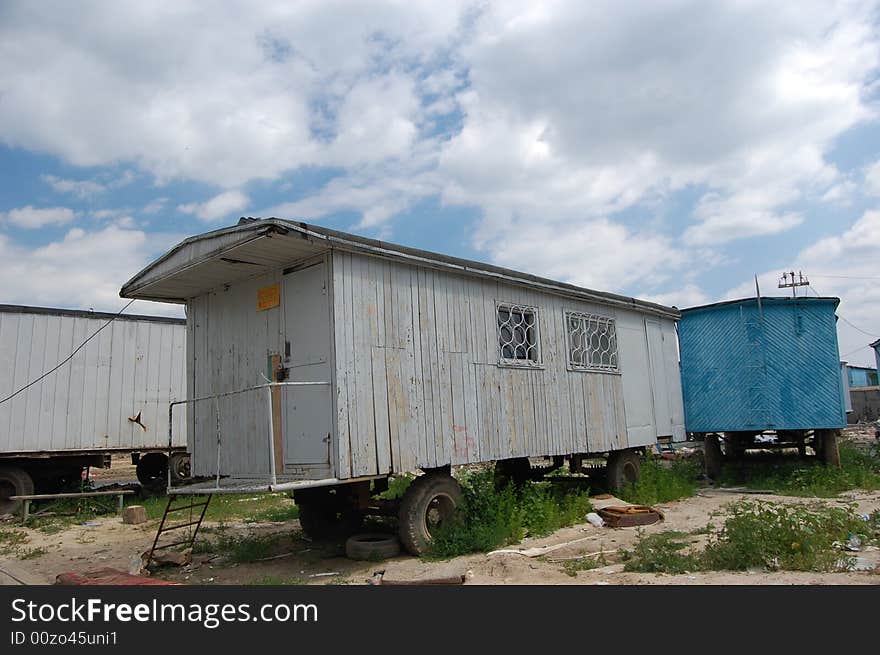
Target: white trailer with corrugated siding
(322, 362)
(111, 397)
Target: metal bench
(26, 500)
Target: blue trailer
(761, 372)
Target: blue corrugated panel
(773, 367)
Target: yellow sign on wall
(268, 297)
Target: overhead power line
(69, 357)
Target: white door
(307, 411)
(659, 388)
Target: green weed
(10, 540)
(661, 481)
(489, 517)
(773, 536)
(859, 469)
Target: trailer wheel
(828, 450)
(180, 466)
(623, 469)
(152, 471)
(429, 502)
(13, 482)
(712, 457)
(372, 546)
(327, 514)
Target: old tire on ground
(372, 546)
(327, 514)
(623, 469)
(152, 471)
(13, 482)
(428, 502)
(712, 456)
(180, 466)
(829, 452)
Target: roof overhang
(256, 247)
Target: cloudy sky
(667, 150)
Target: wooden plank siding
(419, 385)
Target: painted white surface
(132, 366)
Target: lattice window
(518, 338)
(592, 342)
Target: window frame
(571, 365)
(518, 363)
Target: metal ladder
(170, 509)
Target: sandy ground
(107, 542)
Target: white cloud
(218, 207)
(872, 179)
(160, 87)
(33, 218)
(82, 269)
(155, 206)
(78, 188)
(597, 254)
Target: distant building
(862, 376)
(876, 347)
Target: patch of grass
(586, 563)
(773, 536)
(246, 548)
(859, 469)
(397, 486)
(276, 580)
(788, 537)
(31, 553)
(663, 552)
(10, 540)
(661, 481)
(489, 517)
(233, 507)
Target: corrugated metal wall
(131, 366)
(741, 374)
(419, 385)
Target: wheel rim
(439, 510)
(629, 473)
(181, 467)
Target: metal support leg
(25, 511)
(120, 504)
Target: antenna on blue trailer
(791, 281)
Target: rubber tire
(712, 456)
(372, 546)
(328, 516)
(414, 533)
(180, 467)
(21, 482)
(830, 453)
(623, 468)
(152, 471)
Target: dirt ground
(107, 542)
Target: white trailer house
(387, 359)
(111, 397)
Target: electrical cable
(69, 357)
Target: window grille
(592, 342)
(518, 338)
